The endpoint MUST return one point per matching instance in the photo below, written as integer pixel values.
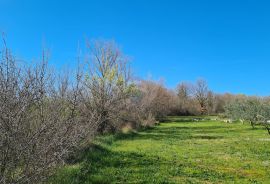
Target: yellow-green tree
(109, 83)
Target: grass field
(177, 151)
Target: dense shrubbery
(44, 116)
(41, 120)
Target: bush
(40, 122)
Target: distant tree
(200, 91)
(264, 117)
(210, 102)
(247, 110)
(183, 93)
(219, 104)
(235, 110)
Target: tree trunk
(252, 124)
(268, 129)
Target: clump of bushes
(40, 120)
(45, 116)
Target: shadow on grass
(174, 136)
(97, 163)
(171, 133)
(103, 166)
(187, 120)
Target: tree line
(46, 115)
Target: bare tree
(200, 93)
(184, 94)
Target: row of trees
(45, 116)
(198, 99)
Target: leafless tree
(184, 91)
(200, 93)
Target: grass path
(179, 151)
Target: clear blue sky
(226, 42)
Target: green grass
(177, 151)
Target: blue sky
(226, 42)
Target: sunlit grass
(179, 151)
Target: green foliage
(252, 110)
(131, 89)
(238, 110)
(180, 150)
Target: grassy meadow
(179, 150)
